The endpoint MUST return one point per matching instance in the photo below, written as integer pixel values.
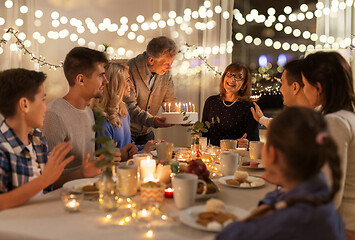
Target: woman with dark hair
(303, 208)
(328, 86)
(232, 107)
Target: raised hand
(243, 142)
(149, 146)
(56, 162)
(257, 113)
(89, 169)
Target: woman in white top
(328, 85)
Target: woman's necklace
(228, 105)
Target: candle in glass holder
(148, 169)
(169, 192)
(144, 213)
(72, 205)
(72, 199)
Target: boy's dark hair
(81, 60)
(15, 84)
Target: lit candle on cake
(169, 106)
(148, 169)
(193, 106)
(190, 106)
(176, 107)
(179, 107)
(164, 107)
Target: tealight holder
(169, 192)
(72, 199)
(152, 192)
(144, 211)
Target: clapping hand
(56, 162)
(257, 113)
(89, 169)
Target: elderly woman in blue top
(25, 167)
(298, 145)
(117, 124)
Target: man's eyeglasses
(237, 78)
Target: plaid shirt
(15, 158)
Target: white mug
(128, 179)
(229, 163)
(228, 144)
(185, 187)
(164, 151)
(255, 148)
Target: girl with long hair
(298, 145)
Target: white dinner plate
(190, 215)
(78, 184)
(258, 180)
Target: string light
(258, 88)
(41, 61)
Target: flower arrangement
(200, 127)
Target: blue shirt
(122, 135)
(299, 221)
(15, 158)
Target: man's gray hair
(161, 46)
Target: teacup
(255, 148)
(229, 162)
(164, 151)
(185, 189)
(228, 144)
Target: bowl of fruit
(198, 167)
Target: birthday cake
(178, 117)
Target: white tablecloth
(45, 218)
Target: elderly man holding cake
(152, 85)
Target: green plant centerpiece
(108, 184)
(197, 166)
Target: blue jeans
(143, 139)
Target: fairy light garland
(208, 66)
(258, 88)
(41, 61)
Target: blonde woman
(117, 125)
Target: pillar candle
(148, 169)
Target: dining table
(44, 217)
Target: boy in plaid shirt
(25, 166)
